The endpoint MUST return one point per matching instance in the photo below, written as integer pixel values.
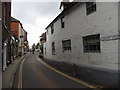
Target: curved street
(36, 75)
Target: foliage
(37, 46)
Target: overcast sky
(35, 16)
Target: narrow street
(37, 75)
(76, 44)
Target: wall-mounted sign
(108, 38)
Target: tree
(37, 46)
(41, 48)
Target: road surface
(34, 74)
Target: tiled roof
(14, 20)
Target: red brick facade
(15, 28)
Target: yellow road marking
(65, 75)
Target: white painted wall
(77, 25)
(21, 33)
(119, 34)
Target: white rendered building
(85, 35)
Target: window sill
(67, 51)
(93, 52)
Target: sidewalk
(8, 75)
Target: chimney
(64, 4)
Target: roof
(14, 20)
(43, 34)
(64, 3)
(64, 12)
(25, 31)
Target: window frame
(63, 22)
(47, 32)
(91, 44)
(66, 45)
(53, 48)
(45, 50)
(91, 8)
(52, 28)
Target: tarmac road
(34, 74)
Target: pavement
(8, 75)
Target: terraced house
(21, 34)
(8, 38)
(6, 34)
(83, 39)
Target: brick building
(6, 15)
(20, 33)
(15, 26)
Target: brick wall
(14, 28)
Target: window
(62, 22)
(90, 7)
(53, 48)
(45, 50)
(47, 31)
(66, 45)
(52, 29)
(91, 43)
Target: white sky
(35, 16)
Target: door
(4, 56)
